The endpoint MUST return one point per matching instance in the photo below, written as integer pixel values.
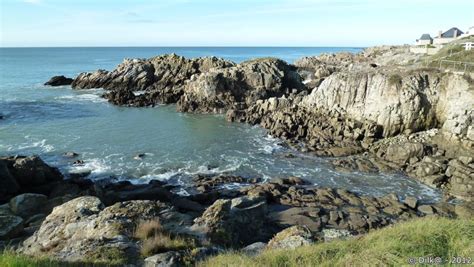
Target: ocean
(50, 121)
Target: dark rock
(10, 226)
(59, 80)
(79, 174)
(26, 174)
(139, 156)
(26, 205)
(254, 249)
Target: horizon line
(180, 46)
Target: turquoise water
(50, 121)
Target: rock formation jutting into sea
(375, 111)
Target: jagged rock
(411, 202)
(8, 184)
(426, 209)
(218, 90)
(26, 205)
(401, 153)
(10, 226)
(290, 238)
(83, 228)
(26, 174)
(331, 234)
(59, 81)
(237, 224)
(118, 192)
(160, 78)
(167, 259)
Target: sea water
(49, 121)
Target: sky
(349, 23)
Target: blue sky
(227, 22)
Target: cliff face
(222, 88)
(401, 102)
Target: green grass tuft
(391, 246)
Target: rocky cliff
(378, 102)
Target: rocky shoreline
(376, 111)
(74, 219)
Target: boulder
(218, 90)
(401, 153)
(31, 172)
(167, 259)
(234, 223)
(159, 79)
(59, 81)
(290, 238)
(27, 205)
(83, 229)
(254, 249)
(10, 226)
(411, 202)
(8, 184)
(331, 234)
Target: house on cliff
(447, 36)
(425, 39)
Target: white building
(425, 39)
(447, 36)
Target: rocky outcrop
(160, 78)
(59, 81)
(25, 174)
(220, 89)
(84, 229)
(234, 223)
(326, 132)
(292, 237)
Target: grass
(11, 259)
(454, 51)
(392, 246)
(156, 240)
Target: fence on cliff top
(456, 65)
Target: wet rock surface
(59, 81)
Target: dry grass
(163, 242)
(156, 240)
(147, 229)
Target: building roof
(426, 36)
(450, 33)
